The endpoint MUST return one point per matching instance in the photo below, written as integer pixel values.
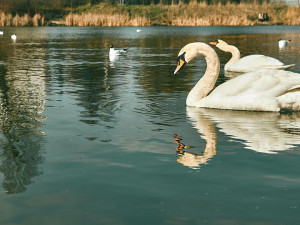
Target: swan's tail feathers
(282, 67)
(296, 88)
(290, 100)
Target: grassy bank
(193, 14)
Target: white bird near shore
(138, 30)
(260, 90)
(250, 62)
(1, 32)
(14, 37)
(283, 43)
(115, 52)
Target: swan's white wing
(254, 62)
(261, 90)
(114, 52)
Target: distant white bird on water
(14, 37)
(283, 43)
(138, 30)
(114, 52)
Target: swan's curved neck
(205, 85)
(207, 131)
(236, 55)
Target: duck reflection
(22, 91)
(263, 132)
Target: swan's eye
(181, 60)
(178, 62)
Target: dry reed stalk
(16, 20)
(293, 16)
(42, 20)
(69, 20)
(25, 20)
(2, 19)
(36, 19)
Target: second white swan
(248, 63)
(260, 90)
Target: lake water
(85, 139)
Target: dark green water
(89, 140)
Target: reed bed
(91, 19)
(25, 20)
(192, 14)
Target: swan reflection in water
(207, 131)
(263, 132)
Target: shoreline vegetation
(191, 14)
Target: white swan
(114, 52)
(247, 63)
(283, 43)
(261, 90)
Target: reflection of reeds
(25, 20)
(193, 14)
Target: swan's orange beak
(181, 63)
(213, 43)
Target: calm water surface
(85, 139)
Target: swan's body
(114, 52)
(283, 43)
(248, 63)
(14, 37)
(261, 90)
